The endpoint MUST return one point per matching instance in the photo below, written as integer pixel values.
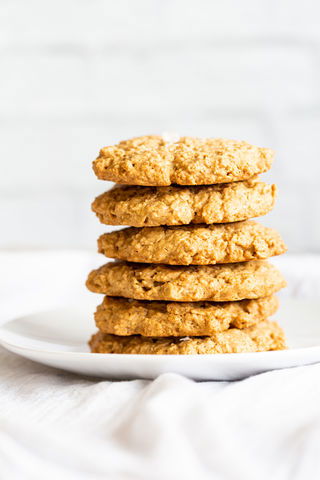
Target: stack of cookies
(190, 275)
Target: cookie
(154, 160)
(155, 206)
(217, 283)
(193, 244)
(121, 316)
(262, 337)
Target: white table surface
(58, 425)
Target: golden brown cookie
(193, 244)
(262, 337)
(122, 316)
(217, 283)
(156, 161)
(155, 206)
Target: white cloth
(61, 426)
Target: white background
(80, 74)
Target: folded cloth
(54, 424)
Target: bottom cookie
(262, 337)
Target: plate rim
(242, 355)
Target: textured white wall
(80, 74)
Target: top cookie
(154, 160)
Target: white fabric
(57, 425)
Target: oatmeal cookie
(156, 206)
(154, 160)
(217, 283)
(122, 316)
(262, 337)
(193, 244)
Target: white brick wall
(80, 74)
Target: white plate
(59, 339)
